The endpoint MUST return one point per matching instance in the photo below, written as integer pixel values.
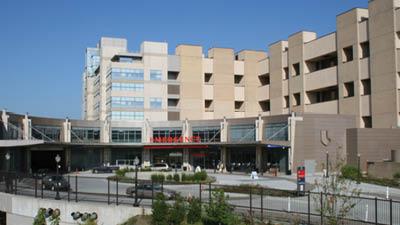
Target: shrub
(160, 210)
(40, 218)
(177, 211)
(169, 177)
(349, 172)
(145, 169)
(121, 172)
(200, 176)
(158, 177)
(219, 212)
(176, 177)
(396, 175)
(194, 211)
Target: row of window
(134, 102)
(138, 87)
(237, 133)
(118, 115)
(133, 74)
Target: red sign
(193, 139)
(301, 174)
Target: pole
(200, 192)
(152, 192)
(376, 210)
(262, 204)
(321, 202)
(69, 188)
(108, 191)
(76, 188)
(136, 187)
(251, 202)
(57, 186)
(35, 187)
(308, 209)
(117, 192)
(209, 193)
(391, 213)
(327, 164)
(41, 188)
(359, 172)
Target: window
(129, 102)
(173, 75)
(296, 69)
(238, 79)
(127, 87)
(125, 135)
(239, 106)
(207, 134)
(265, 105)
(128, 74)
(276, 131)
(322, 95)
(347, 54)
(155, 74)
(364, 49)
(167, 132)
(366, 87)
(296, 99)
(286, 73)
(321, 62)
(207, 78)
(208, 105)
(84, 134)
(173, 102)
(245, 132)
(155, 103)
(46, 132)
(348, 89)
(118, 115)
(367, 121)
(264, 79)
(124, 59)
(286, 102)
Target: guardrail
(258, 202)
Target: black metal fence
(255, 201)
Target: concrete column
(224, 158)
(259, 157)
(186, 158)
(4, 118)
(67, 130)
(147, 131)
(146, 158)
(28, 161)
(224, 131)
(107, 155)
(105, 132)
(26, 127)
(259, 129)
(68, 159)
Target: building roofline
(347, 11)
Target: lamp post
(136, 163)
(327, 164)
(58, 159)
(8, 156)
(358, 168)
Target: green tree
(160, 211)
(177, 211)
(338, 194)
(194, 211)
(219, 212)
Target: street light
(358, 167)
(136, 163)
(327, 164)
(58, 159)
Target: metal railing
(262, 203)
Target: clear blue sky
(43, 43)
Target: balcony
(239, 93)
(321, 78)
(329, 107)
(263, 93)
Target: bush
(145, 169)
(158, 177)
(177, 212)
(176, 177)
(396, 175)
(121, 172)
(194, 211)
(160, 210)
(349, 172)
(169, 177)
(200, 176)
(40, 218)
(219, 212)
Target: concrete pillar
(26, 127)
(186, 158)
(185, 131)
(107, 156)
(147, 131)
(224, 158)
(67, 130)
(224, 131)
(4, 118)
(105, 132)
(259, 157)
(146, 157)
(68, 159)
(259, 128)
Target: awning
(173, 146)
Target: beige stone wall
(276, 64)
(191, 79)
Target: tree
(177, 211)
(338, 194)
(219, 212)
(160, 211)
(194, 211)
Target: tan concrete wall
(223, 75)
(251, 81)
(383, 169)
(276, 64)
(383, 63)
(191, 77)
